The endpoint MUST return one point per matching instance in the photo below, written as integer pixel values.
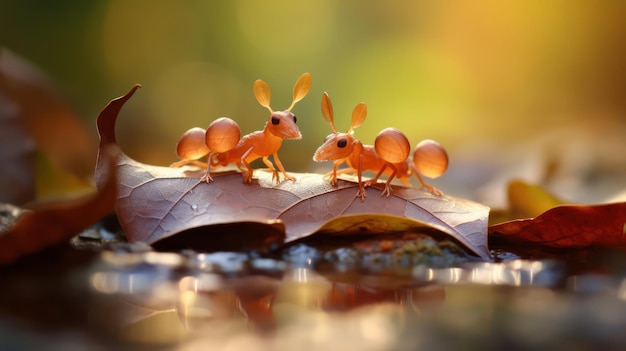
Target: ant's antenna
(263, 94)
(300, 89)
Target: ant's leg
(375, 179)
(333, 174)
(247, 178)
(430, 188)
(179, 163)
(269, 165)
(346, 170)
(207, 176)
(186, 162)
(282, 169)
(361, 193)
(387, 190)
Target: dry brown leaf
(155, 203)
(51, 223)
(45, 115)
(568, 226)
(17, 175)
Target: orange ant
(429, 159)
(221, 136)
(191, 147)
(343, 147)
(389, 154)
(261, 144)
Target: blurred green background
(481, 77)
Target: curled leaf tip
(108, 116)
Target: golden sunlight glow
(287, 28)
(197, 92)
(140, 38)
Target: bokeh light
(475, 76)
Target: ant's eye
(342, 143)
(275, 120)
(295, 119)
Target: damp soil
(392, 292)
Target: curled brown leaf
(156, 203)
(568, 226)
(53, 223)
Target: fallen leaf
(568, 226)
(52, 223)
(528, 200)
(524, 201)
(45, 117)
(155, 203)
(16, 156)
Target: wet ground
(403, 292)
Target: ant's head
(283, 123)
(339, 145)
(336, 146)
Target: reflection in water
(204, 301)
(207, 300)
(302, 287)
(543, 273)
(230, 293)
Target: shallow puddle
(357, 298)
(397, 292)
